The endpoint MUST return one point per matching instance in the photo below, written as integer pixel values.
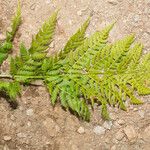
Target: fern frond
(24, 53)
(42, 40)
(75, 41)
(108, 73)
(32, 59)
(15, 24)
(7, 45)
(11, 90)
(87, 71)
(72, 74)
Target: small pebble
(79, 13)
(81, 130)
(121, 122)
(146, 134)
(33, 6)
(141, 113)
(6, 147)
(48, 1)
(130, 133)
(99, 130)
(12, 118)
(21, 135)
(135, 109)
(52, 45)
(113, 2)
(7, 138)
(119, 135)
(107, 125)
(29, 124)
(136, 18)
(29, 112)
(113, 147)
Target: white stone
(29, 112)
(81, 130)
(130, 133)
(107, 125)
(99, 130)
(7, 138)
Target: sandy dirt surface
(36, 125)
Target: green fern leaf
(11, 89)
(75, 41)
(87, 71)
(44, 37)
(24, 53)
(15, 24)
(7, 45)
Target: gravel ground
(35, 125)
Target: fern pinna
(10, 89)
(86, 71)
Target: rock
(51, 127)
(2, 37)
(130, 133)
(79, 13)
(74, 147)
(7, 138)
(6, 147)
(52, 45)
(70, 22)
(29, 124)
(21, 135)
(99, 130)
(12, 118)
(33, 6)
(146, 134)
(141, 113)
(136, 18)
(113, 2)
(121, 122)
(29, 112)
(131, 107)
(135, 109)
(119, 135)
(116, 124)
(81, 130)
(48, 1)
(107, 125)
(37, 83)
(114, 147)
(113, 116)
(147, 1)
